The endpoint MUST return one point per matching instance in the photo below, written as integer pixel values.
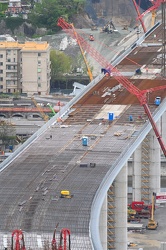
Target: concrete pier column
(155, 162)
(120, 184)
(103, 224)
(136, 175)
(163, 127)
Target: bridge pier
(146, 169)
(121, 209)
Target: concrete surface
(151, 239)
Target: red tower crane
(140, 94)
(18, 240)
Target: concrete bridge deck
(32, 181)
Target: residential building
(25, 67)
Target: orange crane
(140, 94)
(44, 116)
(18, 240)
(89, 72)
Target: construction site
(66, 187)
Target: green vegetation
(46, 15)
(60, 64)
(13, 23)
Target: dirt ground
(151, 239)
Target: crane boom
(140, 94)
(44, 116)
(138, 13)
(83, 54)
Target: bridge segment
(55, 159)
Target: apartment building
(25, 67)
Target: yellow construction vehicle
(152, 224)
(44, 116)
(66, 194)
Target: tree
(60, 63)
(7, 133)
(46, 15)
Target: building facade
(25, 68)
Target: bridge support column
(136, 177)
(121, 210)
(163, 127)
(103, 224)
(155, 163)
(146, 168)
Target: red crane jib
(140, 94)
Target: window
(8, 90)
(39, 63)
(9, 60)
(8, 67)
(1, 63)
(39, 77)
(39, 70)
(1, 56)
(1, 71)
(1, 86)
(39, 54)
(39, 85)
(1, 79)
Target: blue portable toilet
(85, 141)
(157, 101)
(110, 116)
(130, 118)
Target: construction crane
(89, 72)
(152, 224)
(18, 240)
(44, 116)
(140, 94)
(64, 244)
(152, 9)
(139, 14)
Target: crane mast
(140, 94)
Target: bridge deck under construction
(57, 160)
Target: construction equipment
(54, 243)
(139, 16)
(66, 194)
(89, 72)
(63, 240)
(142, 209)
(53, 111)
(18, 240)
(91, 38)
(94, 27)
(152, 9)
(152, 224)
(44, 116)
(140, 94)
